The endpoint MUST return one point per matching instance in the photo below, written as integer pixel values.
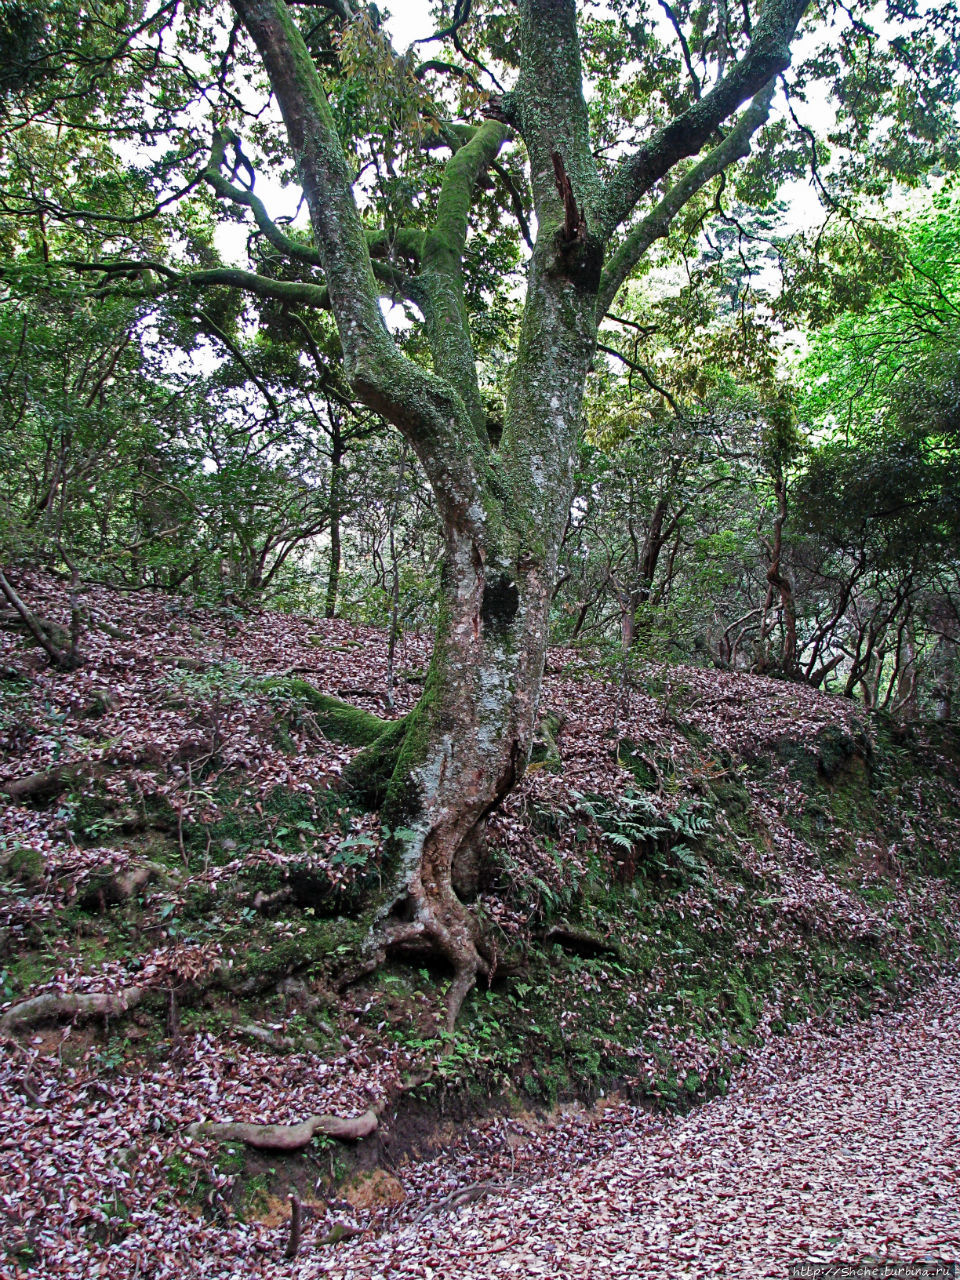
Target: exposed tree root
(265, 1036)
(37, 787)
(458, 946)
(87, 1004)
(340, 1231)
(580, 941)
(109, 887)
(289, 1137)
(338, 720)
(267, 901)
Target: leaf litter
(829, 1144)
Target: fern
(620, 839)
(689, 822)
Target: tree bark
(336, 489)
(778, 584)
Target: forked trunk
(457, 754)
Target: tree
(877, 500)
(503, 488)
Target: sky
(409, 20)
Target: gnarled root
(457, 943)
(289, 1137)
(85, 1004)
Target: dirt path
(838, 1147)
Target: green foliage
(645, 838)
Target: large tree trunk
(467, 742)
(503, 510)
(465, 746)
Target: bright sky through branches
(409, 20)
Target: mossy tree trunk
(502, 508)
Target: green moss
(340, 721)
(381, 775)
(368, 775)
(25, 865)
(545, 751)
(827, 757)
(314, 945)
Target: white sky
(409, 20)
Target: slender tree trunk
(907, 700)
(394, 579)
(778, 584)
(336, 515)
(628, 621)
(61, 647)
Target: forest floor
(840, 1147)
(699, 869)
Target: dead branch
(340, 1231)
(50, 782)
(58, 644)
(461, 1196)
(265, 1036)
(36, 785)
(574, 223)
(296, 1226)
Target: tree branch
(645, 374)
(226, 190)
(426, 408)
(516, 200)
(441, 275)
(686, 134)
(684, 46)
(215, 331)
(735, 146)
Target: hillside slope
(694, 861)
